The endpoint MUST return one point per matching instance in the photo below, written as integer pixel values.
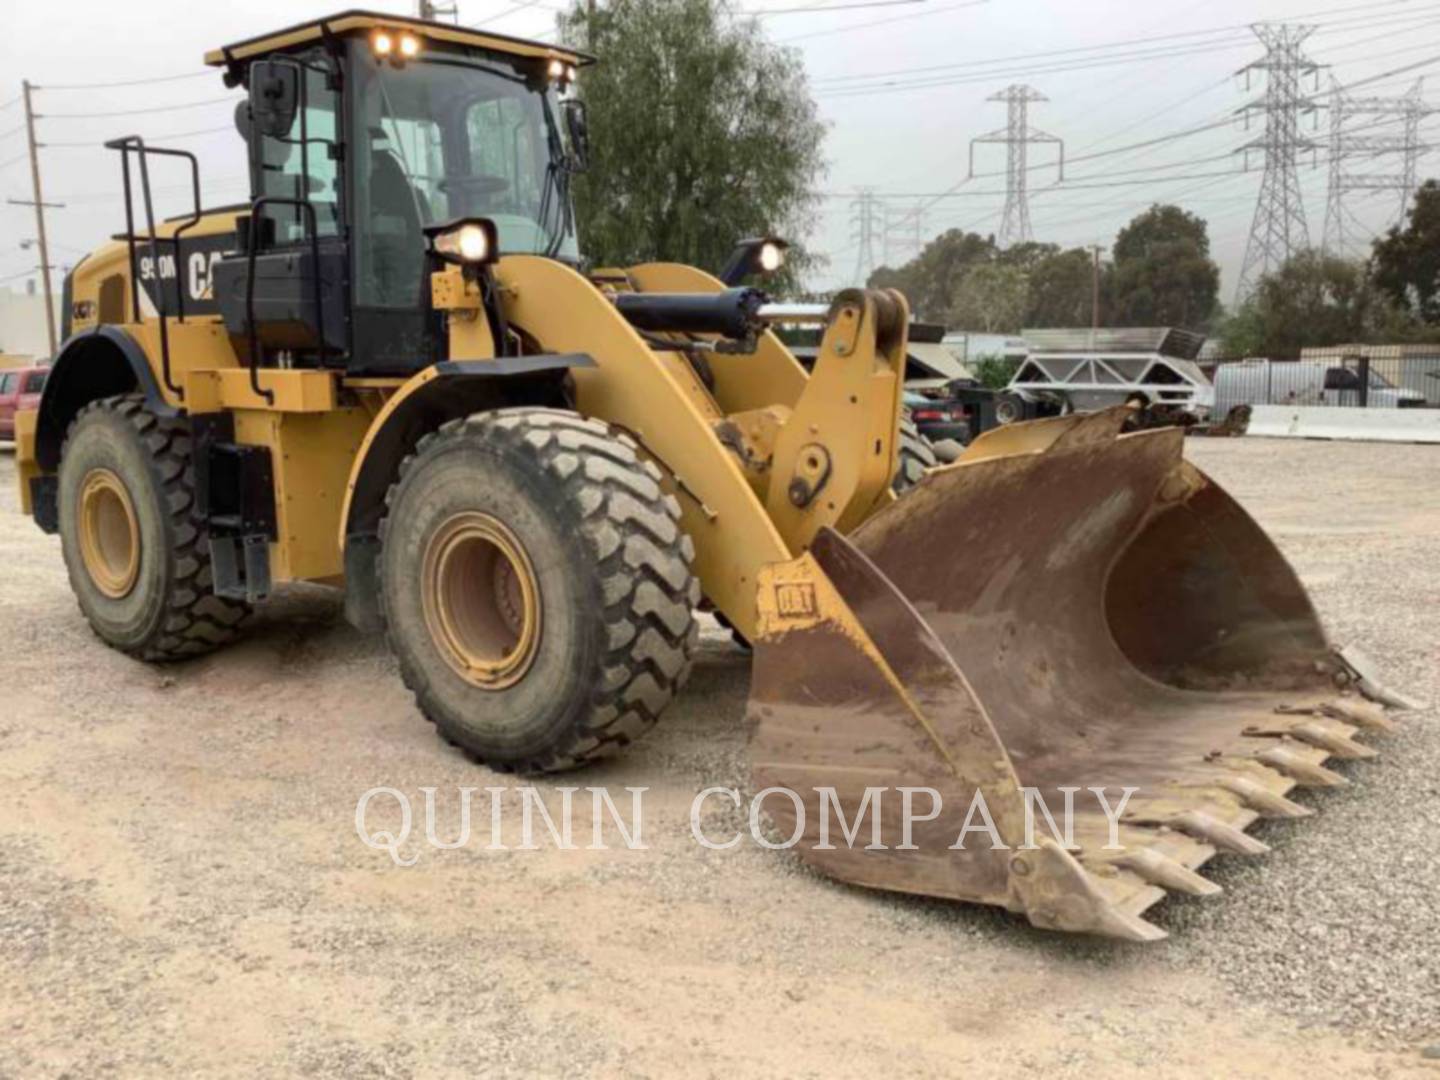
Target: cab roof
(350, 22)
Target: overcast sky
(909, 142)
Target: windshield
(450, 137)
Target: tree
(1312, 300)
(1163, 274)
(1407, 260)
(1061, 289)
(990, 297)
(701, 133)
(930, 280)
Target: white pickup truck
(1306, 382)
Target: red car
(19, 389)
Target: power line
(513, 9)
(1079, 64)
(149, 138)
(821, 9)
(137, 112)
(1171, 137)
(863, 76)
(854, 88)
(208, 73)
(1239, 32)
(1075, 183)
(883, 22)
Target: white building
(972, 346)
(22, 322)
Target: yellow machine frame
(733, 453)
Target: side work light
(762, 255)
(467, 242)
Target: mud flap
(1067, 616)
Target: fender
(94, 364)
(441, 392)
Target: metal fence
(1343, 381)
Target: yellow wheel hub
(481, 600)
(109, 534)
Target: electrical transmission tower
(1017, 135)
(903, 230)
(1278, 229)
(1347, 145)
(866, 218)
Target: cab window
(504, 136)
(7, 383)
(34, 382)
(305, 163)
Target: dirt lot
(183, 891)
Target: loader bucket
(1065, 612)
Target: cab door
(297, 185)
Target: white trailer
(1086, 370)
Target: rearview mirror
(577, 126)
(274, 96)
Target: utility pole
(1278, 229)
(1095, 292)
(40, 204)
(1017, 135)
(430, 11)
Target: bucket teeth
(1214, 831)
(1299, 769)
(1057, 893)
(1363, 714)
(1161, 870)
(1327, 738)
(1258, 797)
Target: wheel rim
(481, 600)
(109, 534)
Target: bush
(995, 372)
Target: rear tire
(536, 587)
(138, 563)
(1009, 409)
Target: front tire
(536, 587)
(138, 564)
(915, 456)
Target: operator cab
(367, 134)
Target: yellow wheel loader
(391, 372)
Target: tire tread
(643, 561)
(196, 621)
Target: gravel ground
(182, 891)
(1342, 925)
